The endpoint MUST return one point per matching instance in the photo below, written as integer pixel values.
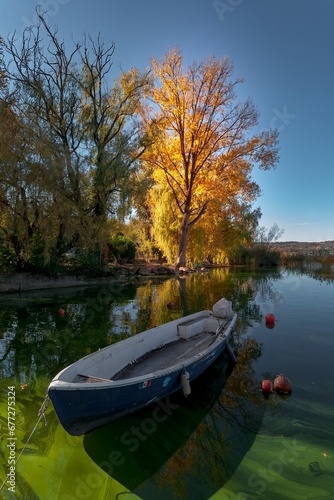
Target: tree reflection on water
(203, 439)
(214, 451)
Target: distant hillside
(304, 248)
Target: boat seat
(189, 329)
(89, 379)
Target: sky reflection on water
(241, 447)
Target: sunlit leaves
(203, 154)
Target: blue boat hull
(82, 411)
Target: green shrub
(122, 248)
(83, 261)
(8, 260)
(261, 256)
(42, 259)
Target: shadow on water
(178, 449)
(210, 431)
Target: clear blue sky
(283, 49)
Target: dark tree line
(70, 142)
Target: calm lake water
(223, 442)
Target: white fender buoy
(185, 383)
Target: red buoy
(267, 386)
(282, 384)
(270, 326)
(61, 312)
(270, 318)
(170, 304)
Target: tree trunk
(181, 258)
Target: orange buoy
(267, 386)
(61, 312)
(282, 384)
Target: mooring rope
(41, 413)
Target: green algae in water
(287, 453)
(278, 468)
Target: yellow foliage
(165, 222)
(202, 154)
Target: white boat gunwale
(58, 383)
(130, 374)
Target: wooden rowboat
(140, 370)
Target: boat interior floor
(166, 356)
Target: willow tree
(18, 215)
(204, 152)
(110, 119)
(85, 136)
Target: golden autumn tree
(203, 153)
